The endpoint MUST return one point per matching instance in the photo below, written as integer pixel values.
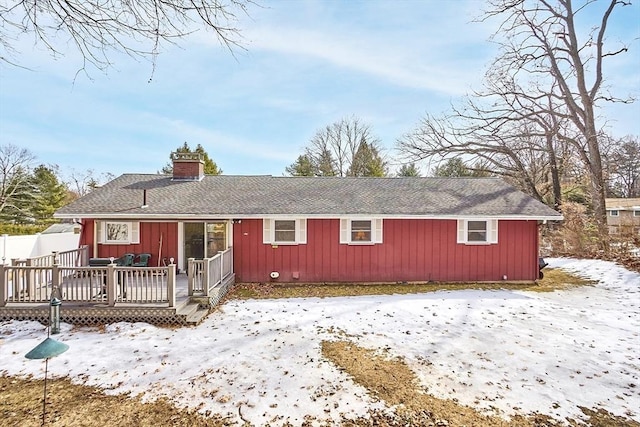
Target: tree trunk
(555, 175)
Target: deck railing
(205, 274)
(71, 258)
(88, 285)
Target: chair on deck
(142, 260)
(125, 260)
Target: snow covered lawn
(505, 351)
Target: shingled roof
(330, 197)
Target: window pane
(117, 232)
(360, 231)
(285, 231)
(477, 231)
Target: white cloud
(398, 65)
(220, 141)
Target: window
(613, 213)
(118, 233)
(284, 231)
(477, 232)
(636, 213)
(361, 231)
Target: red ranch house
(318, 229)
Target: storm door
(204, 239)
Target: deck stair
(191, 312)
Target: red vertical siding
(413, 250)
(150, 233)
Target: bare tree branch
(99, 28)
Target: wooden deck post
(3, 285)
(56, 280)
(205, 276)
(31, 280)
(111, 285)
(190, 276)
(221, 266)
(84, 255)
(171, 285)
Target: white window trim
(636, 212)
(133, 234)
(614, 212)
(269, 231)
(463, 231)
(345, 231)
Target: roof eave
(186, 216)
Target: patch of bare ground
(554, 279)
(71, 404)
(392, 381)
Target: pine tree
(49, 194)
(303, 166)
(210, 167)
(409, 169)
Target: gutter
(190, 217)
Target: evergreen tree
(367, 162)
(303, 166)
(49, 194)
(210, 167)
(409, 169)
(325, 164)
(455, 167)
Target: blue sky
(307, 64)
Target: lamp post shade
(46, 349)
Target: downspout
(82, 231)
(95, 240)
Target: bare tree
(624, 167)
(344, 148)
(507, 148)
(15, 179)
(81, 183)
(137, 28)
(541, 43)
(537, 111)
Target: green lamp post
(49, 347)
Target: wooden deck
(107, 294)
(188, 310)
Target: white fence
(35, 245)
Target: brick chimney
(187, 166)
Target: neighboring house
(319, 229)
(623, 216)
